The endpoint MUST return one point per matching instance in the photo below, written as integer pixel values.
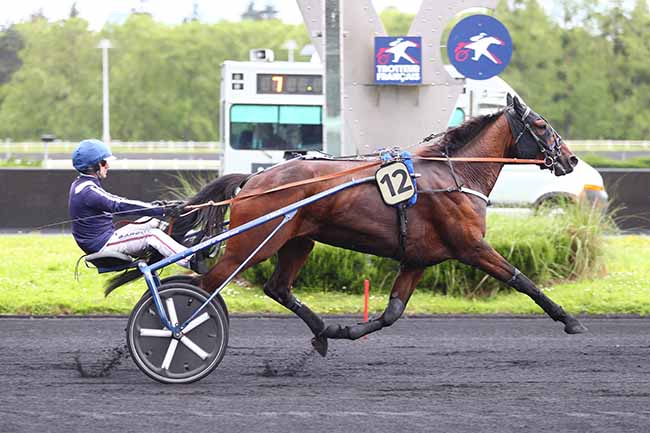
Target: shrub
(605, 162)
(546, 247)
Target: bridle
(519, 125)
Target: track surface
(423, 374)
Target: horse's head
(535, 138)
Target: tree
(58, 88)
(268, 13)
(537, 54)
(74, 12)
(590, 80)
(11, 42)
(395, 22)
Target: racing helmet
(89, 153)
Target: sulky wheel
(188, 279)
(189, 358)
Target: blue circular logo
(479, 47)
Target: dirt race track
(422, 375)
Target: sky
(98, 12)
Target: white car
(528, 186)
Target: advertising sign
(398, 60)
(479, 47)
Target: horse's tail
(121, 279)
(209, 220)
(118, 280)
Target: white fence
(212, 151)
(9, 148)
(174, 155)
(608, 145)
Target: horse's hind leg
(489, 260)
(291, 257)
(403, 287)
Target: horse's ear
(517, 104)
(509, 99)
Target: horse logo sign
(398, 60)
(479, 47)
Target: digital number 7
(279, 81)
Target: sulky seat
(110, 261)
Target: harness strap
(363, 167)
(461, 189)
(76, 267)
(285, 186)
(433, 158)
(403, 226)
(451, 170)
(481, 159)
(475, 193)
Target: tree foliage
(588, 72)
(585, 70)
(10, 43)
(164, 80)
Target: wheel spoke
(196, 322)
(194, 347)
(171, 310)
(169, 356)
(146, 332)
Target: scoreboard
(289, 83)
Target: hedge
(547, 247)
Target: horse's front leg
(403, 287)
(490, 261)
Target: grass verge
(600, 161)
(20, 163)
(37, 277)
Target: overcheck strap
(286, 186)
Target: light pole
(290, 46)
(105, 44)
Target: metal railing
(608, 145)
(38, 150)
(33, 148)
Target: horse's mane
(456, 138)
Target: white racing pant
(133, 239)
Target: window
(276, 127)
(457, 118)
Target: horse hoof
(573, 326)
(320, 344)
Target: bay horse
(441, 225)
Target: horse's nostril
(573, 160)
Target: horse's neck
(495, 141)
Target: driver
(91, 209)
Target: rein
(329, 176)
(482, 159)
(444, 158)
(283, 187)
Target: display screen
(276, 127)
(290, 84)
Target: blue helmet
(89, 153)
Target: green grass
(600, 161)
(11, 162)
(37, 277)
